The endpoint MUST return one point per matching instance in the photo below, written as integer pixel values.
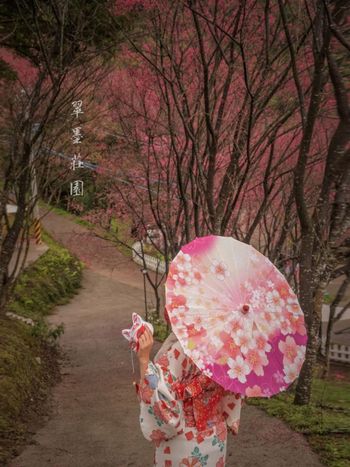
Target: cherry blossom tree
(58, 53)
(325, 224)
(232, 118)
(226, 129)
(207, 136)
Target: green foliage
(334, 451)
(57, 210)
(151, 250)
(327, 298)
(161, 330)
(25, 353)
(325, 422)
(63, 212)
(6, 72)
(19, 371)
(120, 230)
(68, 32)
(42, 331)
(50, 281)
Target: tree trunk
(307, 287)
(9, 243)
(304, 387)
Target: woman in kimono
(183, 412)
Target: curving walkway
(94, 419)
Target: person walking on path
(183, 412)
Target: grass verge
(119, 230)
(325, 422)
(160, 329)
(50, 281)
(28, 354)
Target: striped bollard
(37, 231)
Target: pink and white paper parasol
(236, 316)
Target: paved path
(94, 422)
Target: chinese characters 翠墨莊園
(77, 187)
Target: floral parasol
(236, 316)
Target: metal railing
(152, 263)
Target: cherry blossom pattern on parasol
(236, 316)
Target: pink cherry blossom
(268, 317)
(300, 357)
(257, 297)
(177, 301)
(238, 369)
(220, 270)
(289, 349)
(198, 358)
(195, 320)
(180, 312)
(286, 327)
(256, 360)
(184, 277)
(181, 331)
(298, 325)
(197, 277)
(235, 325)
(283, 290)
(254, 391)
(291, 373)
(275, 301)
(261, 342)
(234, 346)
(229, 348)
(293, 305)
(192, 331)
(243, 341)
(278, 377)
(174, 320)
(183, 262)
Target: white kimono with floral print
(172, 423)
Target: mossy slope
(325, 422)
(28, 358)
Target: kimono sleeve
(232, 404)
(161, 415)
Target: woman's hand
(145, 346)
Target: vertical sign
(77, 186)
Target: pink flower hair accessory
(133, 334)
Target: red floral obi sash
(204, 395)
